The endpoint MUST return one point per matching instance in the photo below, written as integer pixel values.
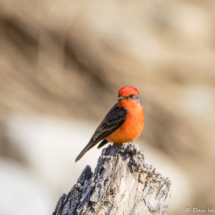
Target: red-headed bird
(123, 123)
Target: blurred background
(62, 63)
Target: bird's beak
(120, 98)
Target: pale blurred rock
(198, 101)
(50, 147)
(21, 192)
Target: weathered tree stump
(122, 184)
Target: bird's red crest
(125, 91)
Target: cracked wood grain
(122, 184)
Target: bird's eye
(131, 95)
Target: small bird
(123, 123)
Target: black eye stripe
(130, 96)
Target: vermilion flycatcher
(123, 123)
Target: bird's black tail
(102, 143)
(87, 148)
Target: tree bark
(122, 184)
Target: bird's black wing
(112, 121)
